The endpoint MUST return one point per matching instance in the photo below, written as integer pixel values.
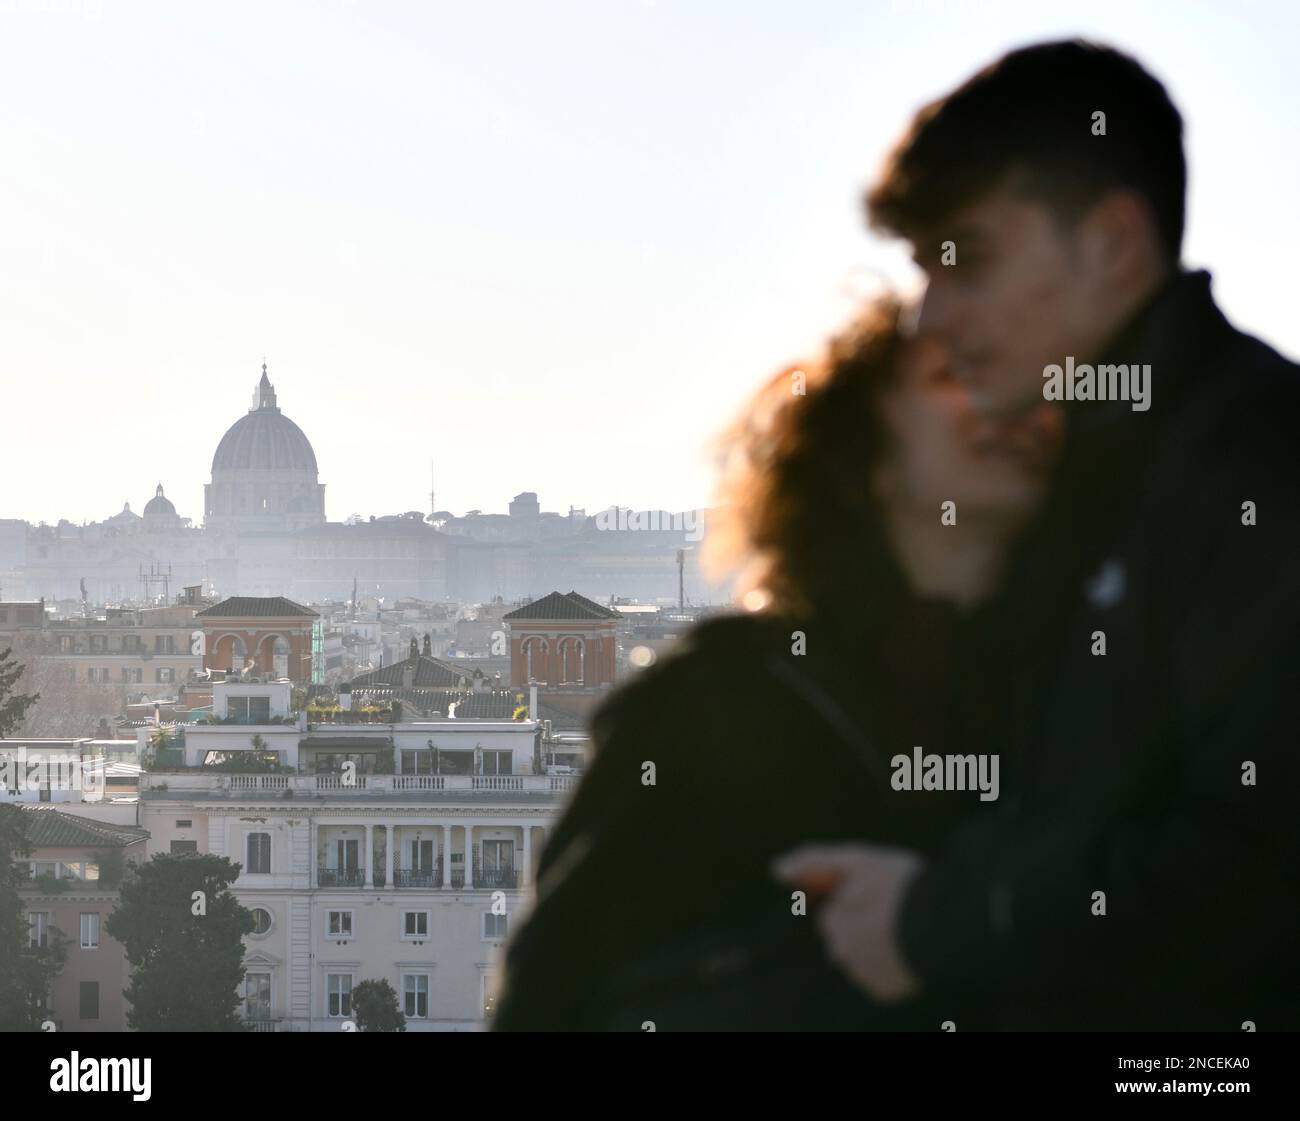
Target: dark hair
(796, 501)
(1031, 113)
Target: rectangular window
(184, 823)
(259, 853)
(415, 924)
(164, 644)
(340, 924)
(259, 710)
(184, 846)
(257, 996)
(237, 708)
(38, 929)
(90, 930)
(415, 995)
(338, 991)
(165, 676)
(494, 927)
(421, 856)
(347, 854)
(498, 762)
(417, 762)
(498, 856)
(89, 1000)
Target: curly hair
(797, 517)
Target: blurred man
(1143, 872)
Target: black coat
(756, 750)
(1128, 767)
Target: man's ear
(1118, 242)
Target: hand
(864, 886)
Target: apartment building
(141, 652)
(71, 887)
(375, 851)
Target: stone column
(370, 855)
(445, 878)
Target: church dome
(126, 517)
(159, 505)
(264, 439)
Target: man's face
(1022, 294)
(942, 448)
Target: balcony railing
(341, 877)
(341, 782)
(419, 782)
(317, 717)
(307, 784)
(260, 1023)
(259, 782)
(418, 877)
(495, 877)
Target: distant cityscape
(265, 531)
(377, 721)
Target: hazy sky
(545, 246)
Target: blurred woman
(769, 729)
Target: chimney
(428, 645)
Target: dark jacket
(749, 763)
(1127, 767)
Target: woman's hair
(797, 517)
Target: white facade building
(414, 877)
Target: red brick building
(261, 634)
(562, 640)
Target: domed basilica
(264, 474)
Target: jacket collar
(1172, 333)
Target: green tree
(13, 705)
(26, 971)
(183, 931)
(374, 1005)
(111, 866)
